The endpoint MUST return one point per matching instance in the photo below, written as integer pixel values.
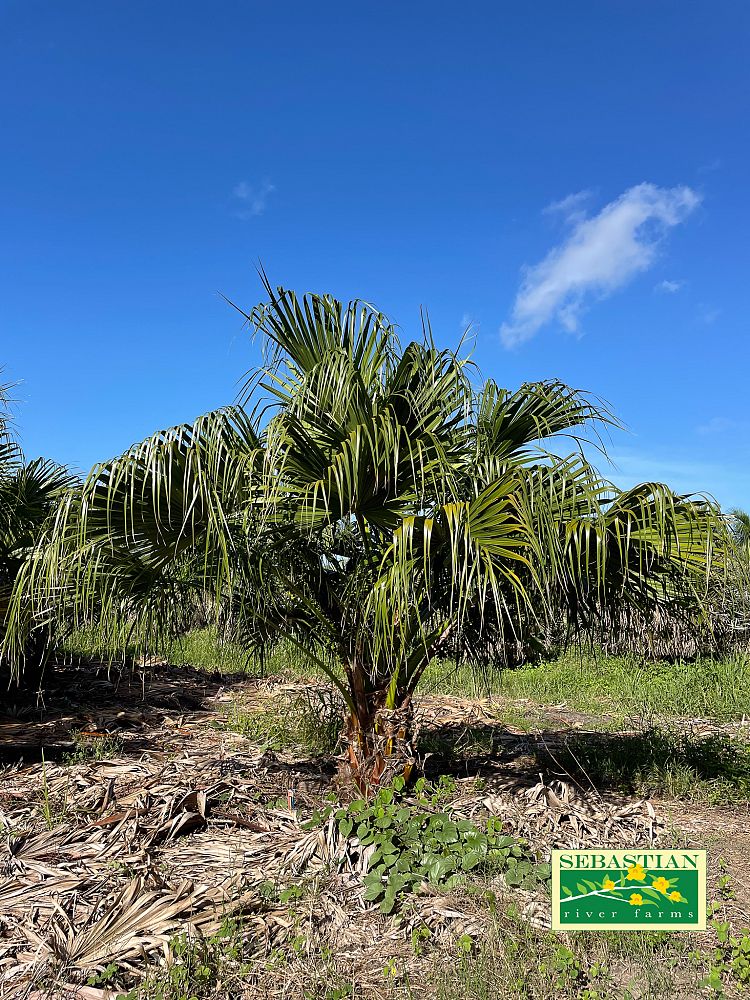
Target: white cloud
(670, 287)
(572, 208)
(601, 254)
(253, 200)
(721, 425)
(711, 166)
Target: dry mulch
(105, 860)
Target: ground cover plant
(412, 846)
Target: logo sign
(628, 890)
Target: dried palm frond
(556, 815)
(136, 921)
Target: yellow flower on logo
(661, 884)
(675, 897)
(636, 899)
(636, 872)
(608, 884)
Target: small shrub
(196, 967)
(731, 957)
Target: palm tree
(29, 492)
(375, 509)
(740, 531)
(736, 616)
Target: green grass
(517, 962)
(624, 686)
(582, 679)
(629, 686)
(96, 747)
(203, 650)
(309, 723)
(711, 770)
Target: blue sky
(569, 178)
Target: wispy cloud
(251, 200)
(711, 166)
(600, 255)
(571, 208)
(707, 315)
(670, 287)
(722, 425)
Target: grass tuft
(515, 960)
(94, 747)
(310, 723)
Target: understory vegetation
(580, 678)
(630, 686)
(513, 961)
(662, 753)
(646, 716)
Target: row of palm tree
(374, 504)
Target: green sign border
(699, 925)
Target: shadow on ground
(149, 709)
(712, 767)
(100, 700)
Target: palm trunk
(378, 741)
